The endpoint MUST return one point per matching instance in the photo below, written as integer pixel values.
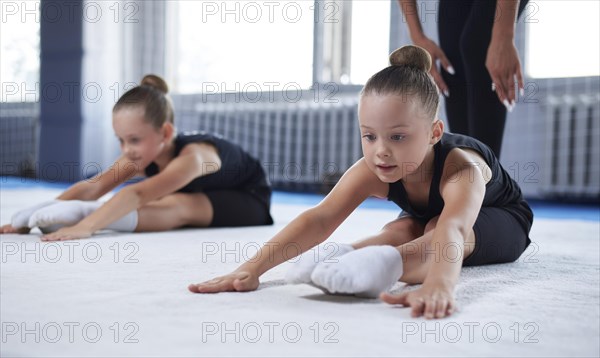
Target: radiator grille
(18, 138)
(573, 147)
(302, 146)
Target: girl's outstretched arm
(463, 189)
(87, 189)
(309, 229)
(194, 161)
(94, 188)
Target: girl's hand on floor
(239, 281)
(68, 233)
(431, 301)
(9, 229)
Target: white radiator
(301, 145)
(307, 145)
(572, 156)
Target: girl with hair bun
(193, 179)
(460, 207)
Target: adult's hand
(437, 54)
(503, 63)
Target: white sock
(302, 269)
(70, 212)
(366, 272)
(21, 218)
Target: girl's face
(140, 141)
(396, 135)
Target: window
(370, 38)
(563, 38)
(227, 46)
(20, 51)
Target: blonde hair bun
(156, 82)
(411, 56)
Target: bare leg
(418, 254)
(394, 233)
(175, 211)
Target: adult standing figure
(479, 63)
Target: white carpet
(126, 295)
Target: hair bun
(411, 56)
(156, 82)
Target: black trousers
(465, 31)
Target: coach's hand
(437, 55)
(502, 62)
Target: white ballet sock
(302, 269)
(21, 218)
(70, 212)
(366, 272)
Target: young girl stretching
(460, 206)
(194, 179)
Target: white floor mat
(126, 295)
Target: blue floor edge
(541, 208)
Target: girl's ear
(437, 130)
(168, 130)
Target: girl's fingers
(440, 309)
(7, 229)
(197, 287)
(245, 282)
(451, 308)
(240, 282)
(394, 299)
(243, 285)
(430, 307)
(212, 286)
(418, 305)
(54, 237)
